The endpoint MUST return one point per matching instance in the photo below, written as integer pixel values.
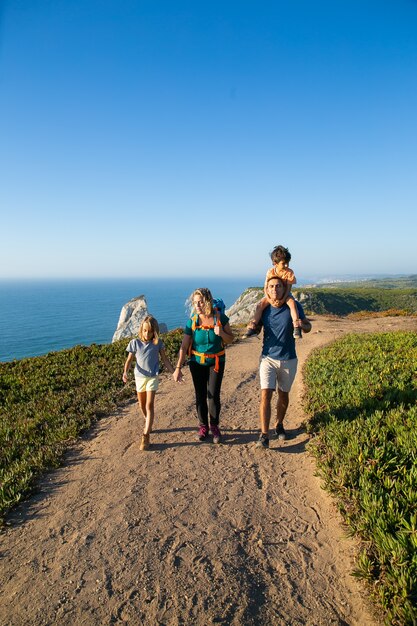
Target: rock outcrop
(243, 309)
(131, 316)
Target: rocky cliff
(131, 317)
(243, 309)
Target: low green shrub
(361, 395)
(47, 401)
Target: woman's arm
(225, 332)
(182, 355)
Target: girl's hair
(205, 294)
(279, 253)
(149, 319)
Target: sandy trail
(187, 533)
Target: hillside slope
(187, 533)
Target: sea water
(37, 317)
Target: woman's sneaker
(215, 432)
(202, 432)
(263, 442)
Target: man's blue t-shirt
(279, 342)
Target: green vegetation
(398, 296)
(47, 401)
(361, 395)
(391, 282)
(343, 301)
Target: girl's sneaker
(202, 432)
(145, 442)
(215, 432)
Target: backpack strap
(194, 326)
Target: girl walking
(147, 349)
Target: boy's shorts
(146, 383)
(275, 373)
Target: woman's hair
(151, 321)
(279, 253)
(205, 294)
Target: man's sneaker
(202, 432)
(297, 333)
(263, 442)
(215, 432)
(280, 432)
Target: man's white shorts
(275, 373)
(146, 383)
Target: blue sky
(163, 138)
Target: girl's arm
(166, 362)
(182, 355)
(127, 366)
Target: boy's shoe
(252, 329)
(280, 432)
(297, 333)
(202, 432)
(145, 442)
(263, 442)
(215, 432)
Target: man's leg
(265, 410)
(282, 405)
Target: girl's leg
(150, 411)
(200, 375)
(142, 402)
(214, 387)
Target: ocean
(37, 317)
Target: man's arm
(305, 325)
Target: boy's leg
(253, 326)
(295, 318)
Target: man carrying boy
(278, 364)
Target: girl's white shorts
(277, 374)
(146, 383)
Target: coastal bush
(344, 301)
(47, 401)
(361, 395)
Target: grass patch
(47, 401)
(361, 395)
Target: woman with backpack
(206, 333)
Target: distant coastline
(40, 316)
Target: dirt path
(187, 533)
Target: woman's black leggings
(207, 385)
